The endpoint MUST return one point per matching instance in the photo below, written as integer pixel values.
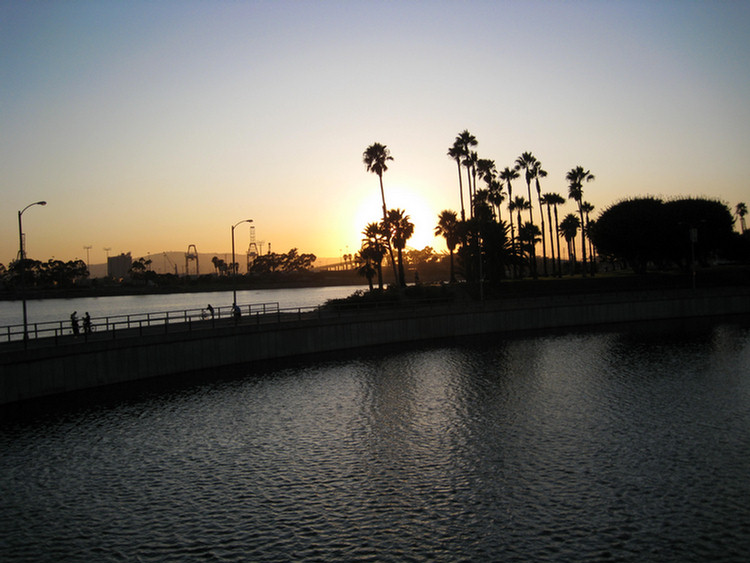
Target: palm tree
(374, 244)
(552, 200)
(447, 227)
(741, 210)
(365, 265)
(536, 173)
(518, 204)
(588, 208)
(526, 162)
(401, 230)
(543, 200)
(528, 235)
(376, 158)
(569, 229)
(497, 197)
(576, 177)
(456, 152)
(466, 141)
(470, 162)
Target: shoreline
(622, 280)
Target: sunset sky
(149, 126)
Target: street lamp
(234, 264)
(22, 264)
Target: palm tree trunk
(551, 241)
(544, 236)
(557, 236)
(583, 242)
(461, 190)
(385, 222)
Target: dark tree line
(482, 245)
(648, 232)
(53, 273)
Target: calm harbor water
(42, 310)
(630, 444)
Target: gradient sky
(149, 126)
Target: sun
(420, 212)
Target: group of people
(86, 323)
(87, 327)
(209, 311)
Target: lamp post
(234, 264)
(22, 263)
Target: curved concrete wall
(35, 373)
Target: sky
(150, 126)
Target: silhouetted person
(87, 323)
(74, 323)
(210, 310)
(236, 312)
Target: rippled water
(629, 445)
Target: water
(625, 445)
(42, 310)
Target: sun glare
(419, 211)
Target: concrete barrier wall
(40, 372)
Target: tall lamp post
(22, 262)
(234, 263)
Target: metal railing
(114, 323)
(112, 326)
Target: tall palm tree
(526, 162)
(466, 140)
(588, 208)
(556, 199)
(507, 175)
(544, 201)
(447, 227)
(456, 152)
(401, 230)
(536, 173)
(376, 158)
(374, 244)
(497, 197)
(576, 177)
(569, 229)
(741, 210)
(470, 162)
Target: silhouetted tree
(529, 236)
(569, 229)
(576, 177)
(401, 230)
(527, 162)
(376, 158)
(456, 152)
(466, 141)
(555, 199)
(740, 211)
(536, 173)
(447, 228)
(373, 246)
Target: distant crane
(192, 255)
(172, 263)
(88, 262)
(252, 249)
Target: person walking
(87, 323)
(74, 323)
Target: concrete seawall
(45, 371)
